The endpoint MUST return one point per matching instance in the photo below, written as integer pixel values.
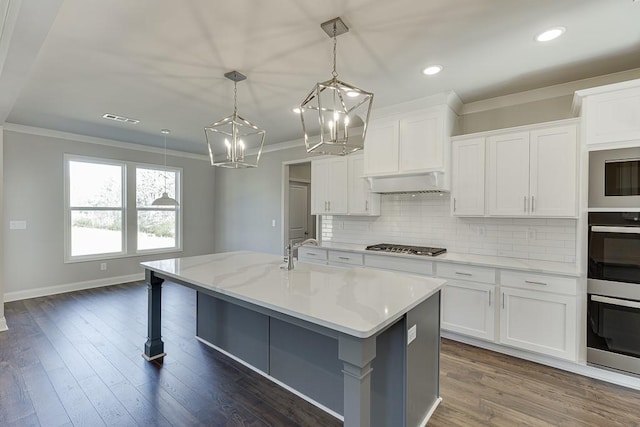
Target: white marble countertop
(548, 267)
(355, 301)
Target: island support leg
(154, 347)
(357, 355)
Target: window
(99, 222)
(96, 208)
(157, 225)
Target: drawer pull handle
(310, 253)
(531, 282)
(463, 274)
(344, 257)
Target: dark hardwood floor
(75, 359)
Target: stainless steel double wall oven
(613, 285)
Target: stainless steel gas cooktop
(404, 249)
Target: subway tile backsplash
(424, 219)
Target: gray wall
(34, 189)
(546, 110)
(247, 200)
(2, 319)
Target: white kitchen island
(361, 343)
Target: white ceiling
(162, 61)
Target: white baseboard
(3, 324)
(427, 417)
(628, 381)
(70, 287)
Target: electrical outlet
(103, 266)
(412, 333)
(273, 223)
(531, 234)
(482, 231)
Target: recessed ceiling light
(550, 34)
(432, 69)
(296, 110)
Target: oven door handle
(607, 229)
(615, 301)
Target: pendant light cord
(165, 162)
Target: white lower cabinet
(312, 254)
(539, 321)
(469, 308)
(468, 299)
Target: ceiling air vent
(120, 119)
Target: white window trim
(178, 209)
(68, 258)
(128, 249)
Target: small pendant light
(234, 142)
(165, 200)
(335, 114)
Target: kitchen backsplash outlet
(425, 219)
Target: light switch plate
(17, 225)
(412, 333)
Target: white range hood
(428, 182)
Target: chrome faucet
(291, 247)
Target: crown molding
(548, 92)
(32, 130)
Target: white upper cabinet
(553, 171)
(611, 113)
(508, 174)
(329, 186)
(411, 144)
(467, 193)
(338, 188)
(533, 173)
(361, 200)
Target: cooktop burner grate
(405, 249)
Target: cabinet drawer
(345, 257)
(538, 282)
(466, 272)
(306, 253)
(406, 265)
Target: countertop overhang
(355, 301)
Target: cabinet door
(422, 142)
(469, 308)
(361, 201)
(381, 148)
(319, 186)
(468, 177)
(508, 174)
(553, 162)
(613, 117)
(539, 321)
(337, 190)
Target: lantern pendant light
(335, 114)
(234, 142)
(165, 200)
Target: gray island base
(361, 344)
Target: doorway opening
(297, 224)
